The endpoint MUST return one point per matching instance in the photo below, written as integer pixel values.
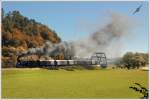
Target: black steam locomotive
(97, 59)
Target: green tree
(128, 59)
(3, 14)
(134, 60)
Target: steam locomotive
(97, 59)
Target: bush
(9, 62)
(134, 60)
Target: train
(94, 60)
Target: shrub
(9, 62)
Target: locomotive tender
(96, 59)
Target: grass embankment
(44, 83)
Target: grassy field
(43, 83)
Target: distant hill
(20, 33)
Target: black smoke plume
(106, 39)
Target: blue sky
(74, 20)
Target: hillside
(20, 33)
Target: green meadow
(43, 83)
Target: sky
(76, 20)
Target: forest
(20, 33)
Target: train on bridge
(96, 59)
